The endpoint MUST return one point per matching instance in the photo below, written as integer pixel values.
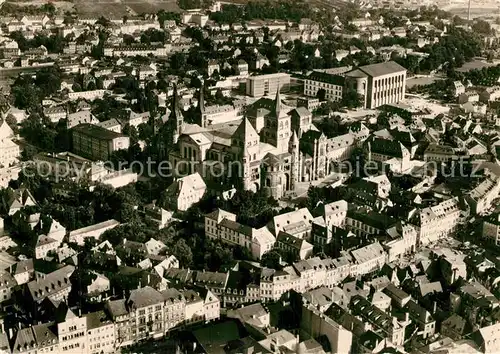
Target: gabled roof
(246, 131)
(25, 340)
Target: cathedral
(270, 147)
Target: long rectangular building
(262, 85)
(378, 84)
(97, 143)
(333, 84)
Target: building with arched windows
(273, 148)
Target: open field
(475, 64)
(421, 80)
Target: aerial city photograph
(249, 176)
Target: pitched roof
(144, 297)
(246, 131)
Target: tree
(271, 259)
(321, 94)
(26, 94)
(183, 253)
(76, 87)
(351, 99)
(12, 122)
(103, 21)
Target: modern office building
(262, 85)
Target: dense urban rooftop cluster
(259, 178)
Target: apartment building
(262, 85)
(436, 222)
(87, 95)
(7, 284)
(331, 84)
(402, 241)
(100, 333)
(97, 143)
(480, 199)
(44, 245)
(386, 325)
(491, 228)
(390, 152)
(222, 225)
(316, 324)
(56, 285)
(174, 308)
(297, 223)
(490, 94)
(149, 313)
(275, 283)
(368, 259)
(9, 152)
(300, 248)
(378, 84)
(72, 333)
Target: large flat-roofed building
(262, 85)
(97, 143)
(378, 84)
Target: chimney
(124, 241)
(434, 307)
(149, 279)
(11, 333)
(407, 317)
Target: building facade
(96, 142)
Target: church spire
(176, 118)
(277, 103)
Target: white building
(368, 259)
(94, 231)
(222, 225)
(88, 95)
(436, 222)
(44, 245)
(262, 85)
(100, 333)
(482, 196)
(186, 191)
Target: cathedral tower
(176, 119)
(282, 125)
(294, 170)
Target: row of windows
(388, 80)
(315, 84)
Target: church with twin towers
(265, 146)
